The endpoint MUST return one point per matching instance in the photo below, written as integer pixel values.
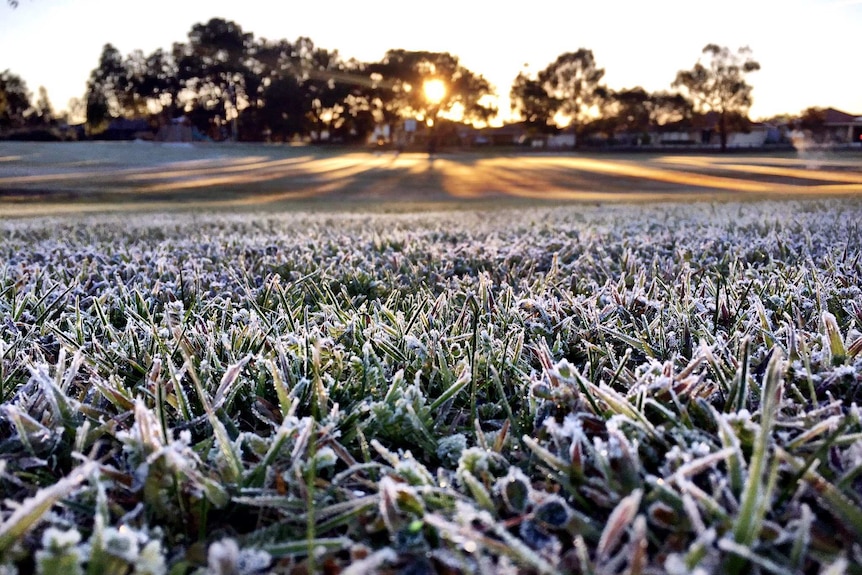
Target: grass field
(87, 176)
(487, 386)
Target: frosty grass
(581, 389)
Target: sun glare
(435, 91)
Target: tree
(720, 85)
(106, 90)
(812, 119)
(44, 110)
(623, 111)
(282, 113)
(573, 80)
(531, 101)
(14, 101)
(213, 68)
(279, 114)
(569, 86)
(303, 89)
(402, 75)
(321, 74)
(667, 108)
(157, 83)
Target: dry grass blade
(230, 376)
(836, 344)
(618, 523)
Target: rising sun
(435, 90)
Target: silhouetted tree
(813, 119)
(720, 86)
(617, 112)
(632, 110)
(280, 101)
(669, 108)
(353, 106)
(106, 90)
(283, 111)
(14, 101)
(402, 74)
(635, 112)
(321, 74)
(159, 85)
(532, 102)
(573, 80)
(212, 68)
(44, 111)
(308, 90)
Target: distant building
(841, 127)
(756, 136)
(563, 139)
(125, 129)
(505, 135)
(177, 130)
(703, 130)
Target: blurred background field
(52, 178)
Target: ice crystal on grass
(450, 448)
(60, 552)
(572, 389)
(225, 557)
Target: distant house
(682, 133)
(177, 130)
(564, 139)
(700, 130)
(675, 134)
(125, 129)
(561, 139)
(756, 136)
(517, 134)
(505, 135)
(841, 127)
(703, 130)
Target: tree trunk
(722, 131)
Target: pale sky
(808, 49)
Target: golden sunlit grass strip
(374, 177)
(112, 173)
(217, 167)
(799, 161)
(801, 173)
(306, 173)
(634, 170)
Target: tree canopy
(570, 87)
(226, 81)
(530, 99)
(720, 85)
(574, 81)
(403, 73)
(229, 84)
(14, 100)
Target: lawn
(497, 387)
(57, 178)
